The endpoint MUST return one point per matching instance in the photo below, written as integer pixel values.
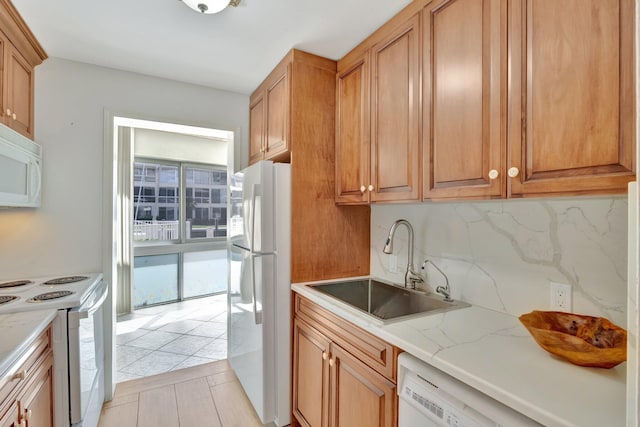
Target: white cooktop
(77, 292)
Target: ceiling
(233, 50)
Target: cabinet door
(37, 400)
(277, 99)
(352, 132)
(10, 418)
(19, 92)
(572, 84)
(256, 129)
(395, 91)
(310, 375)
(359, 395)
(464, 93)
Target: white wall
(502, 254)
(65, 235)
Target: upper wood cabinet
(269, 116)
(21, 53)
(518, 98)
(571, 102)
(378, 122)
(464, 95)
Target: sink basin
(386, 302)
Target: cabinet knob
(14, 116)
(27, 414)
(23, 423)
(324, 355)
(371, 187)
(513, 172)
(8, 112)
(493, 174)
(331, 362)
(363, 188)
(20, 375)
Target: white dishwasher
(429, 397)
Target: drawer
(23, 369)
(376, 353)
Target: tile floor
(165, 338)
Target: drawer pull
(20, 375)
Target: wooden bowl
(582, 340)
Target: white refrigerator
(259, 287)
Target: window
(144, 194)
(143, 172)
(158, 201)
(169, 175)
(168, 195)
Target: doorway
(170, 238)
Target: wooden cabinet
(269, 133)
(464, 95)
(571, 102)
(26, 392)
(342, 375)
(311, 375)
(565, 123)
(518, 99)
(21, 53)
(378, 122)
(11, 417)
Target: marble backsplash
(502, 255)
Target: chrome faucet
(442, 290)
(411, 278)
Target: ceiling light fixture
(210, 6)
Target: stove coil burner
(15, 283)
(65, 280)
(50, 295)
(5, 299)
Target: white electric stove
(54, 292)
(78, 339)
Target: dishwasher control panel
(444, 410)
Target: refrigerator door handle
(255, 191)
(257, 314)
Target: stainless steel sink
(386, 302)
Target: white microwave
(20, 170)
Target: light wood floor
(205, 396)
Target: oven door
(86, 359)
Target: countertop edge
(43, 319)
(535, 412)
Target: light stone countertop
(492, 352)
(18, 330)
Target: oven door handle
(84, 313)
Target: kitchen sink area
(386, 302)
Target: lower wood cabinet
(332, 386)
(27, 391)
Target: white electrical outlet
(561, 298)
(393, 263)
